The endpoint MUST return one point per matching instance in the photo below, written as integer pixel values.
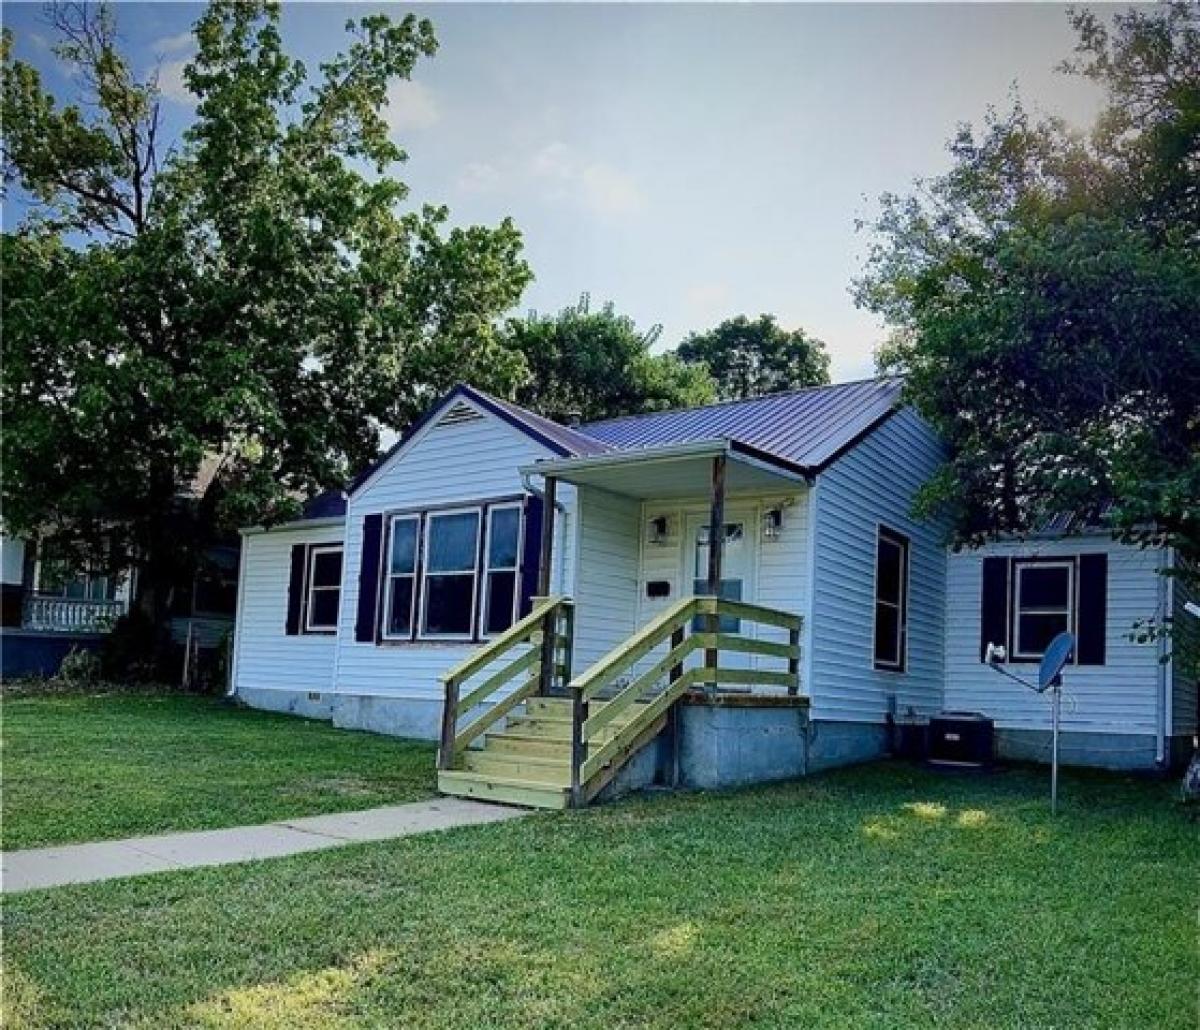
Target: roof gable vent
(458, 414)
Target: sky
(686, 162)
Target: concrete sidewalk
(106, 860)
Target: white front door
(737, 569)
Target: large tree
(1045, 295)
(589, 365)
(751, 357)
(259, 296)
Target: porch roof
(676, 470)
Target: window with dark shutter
(324, 588)
(365, 627)
(295, 598)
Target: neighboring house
(51, 607)
(359, 611)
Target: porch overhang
(676, 470)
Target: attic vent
(459, 414)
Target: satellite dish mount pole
(1056, 709)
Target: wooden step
(488, 787)
(519, 743)
(514, 766)
(539, 726)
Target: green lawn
(79, 768)
(875, 897)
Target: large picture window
(1044, 593)
(400, 582)
(449, 580)
(452, 574)
(501, 561)
(324, 589)
(891, 600)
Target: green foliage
(260, 297)
(751, 358)
(1046, 298)
(597, 364)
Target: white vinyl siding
(455, 464)
(1120, 696)
(875, 483)
(606, 593)
(266, 656)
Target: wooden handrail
(539, 629)
(590, 755)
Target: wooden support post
(449, 725)
(546, 556)
(675, 720)
(716, 553)
(568, 635)
(579, 715)
(547, 548)
(794, 661)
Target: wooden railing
(71, 614)
(541, 643)
(594, 760)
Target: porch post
(716, 552)
(550, 621)
(547, 547)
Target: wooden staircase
(527, 761)
(533, 746)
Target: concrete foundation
(1120, 752)
(737, 740)
(394, 716)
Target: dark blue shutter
(295, 600)
(993, 605)
(366, 624)
(1093, 609)
(531, 552)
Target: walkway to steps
(107, 860)
(528, 760)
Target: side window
(891, 600)
(324, 589)
(401, 577)
(1043, 604)
(450, 574)
(501, 560)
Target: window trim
(417, 517)
(310, 586)
(485, 564)
(904, 543)
(1015, 611)
(427, 520)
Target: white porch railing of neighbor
(72, 615)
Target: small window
(891, 600)
(324, 589)
(501, 560)
(1044, 592)
(448, 587)
(401, 578)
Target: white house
(839, 612)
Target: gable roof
(808, 428)
(802, 429)
(563, 441)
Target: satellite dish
(1056, 656)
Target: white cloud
(602, 187)
(171, 84)
(479, 177)
(410, 106)
(171, 44)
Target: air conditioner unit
(964, 739)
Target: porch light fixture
(772, 523)
(660, 530)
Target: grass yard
(873, 897)
(91, 767)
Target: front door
(737, 569)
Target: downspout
(561, 508)
(1165, 671)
